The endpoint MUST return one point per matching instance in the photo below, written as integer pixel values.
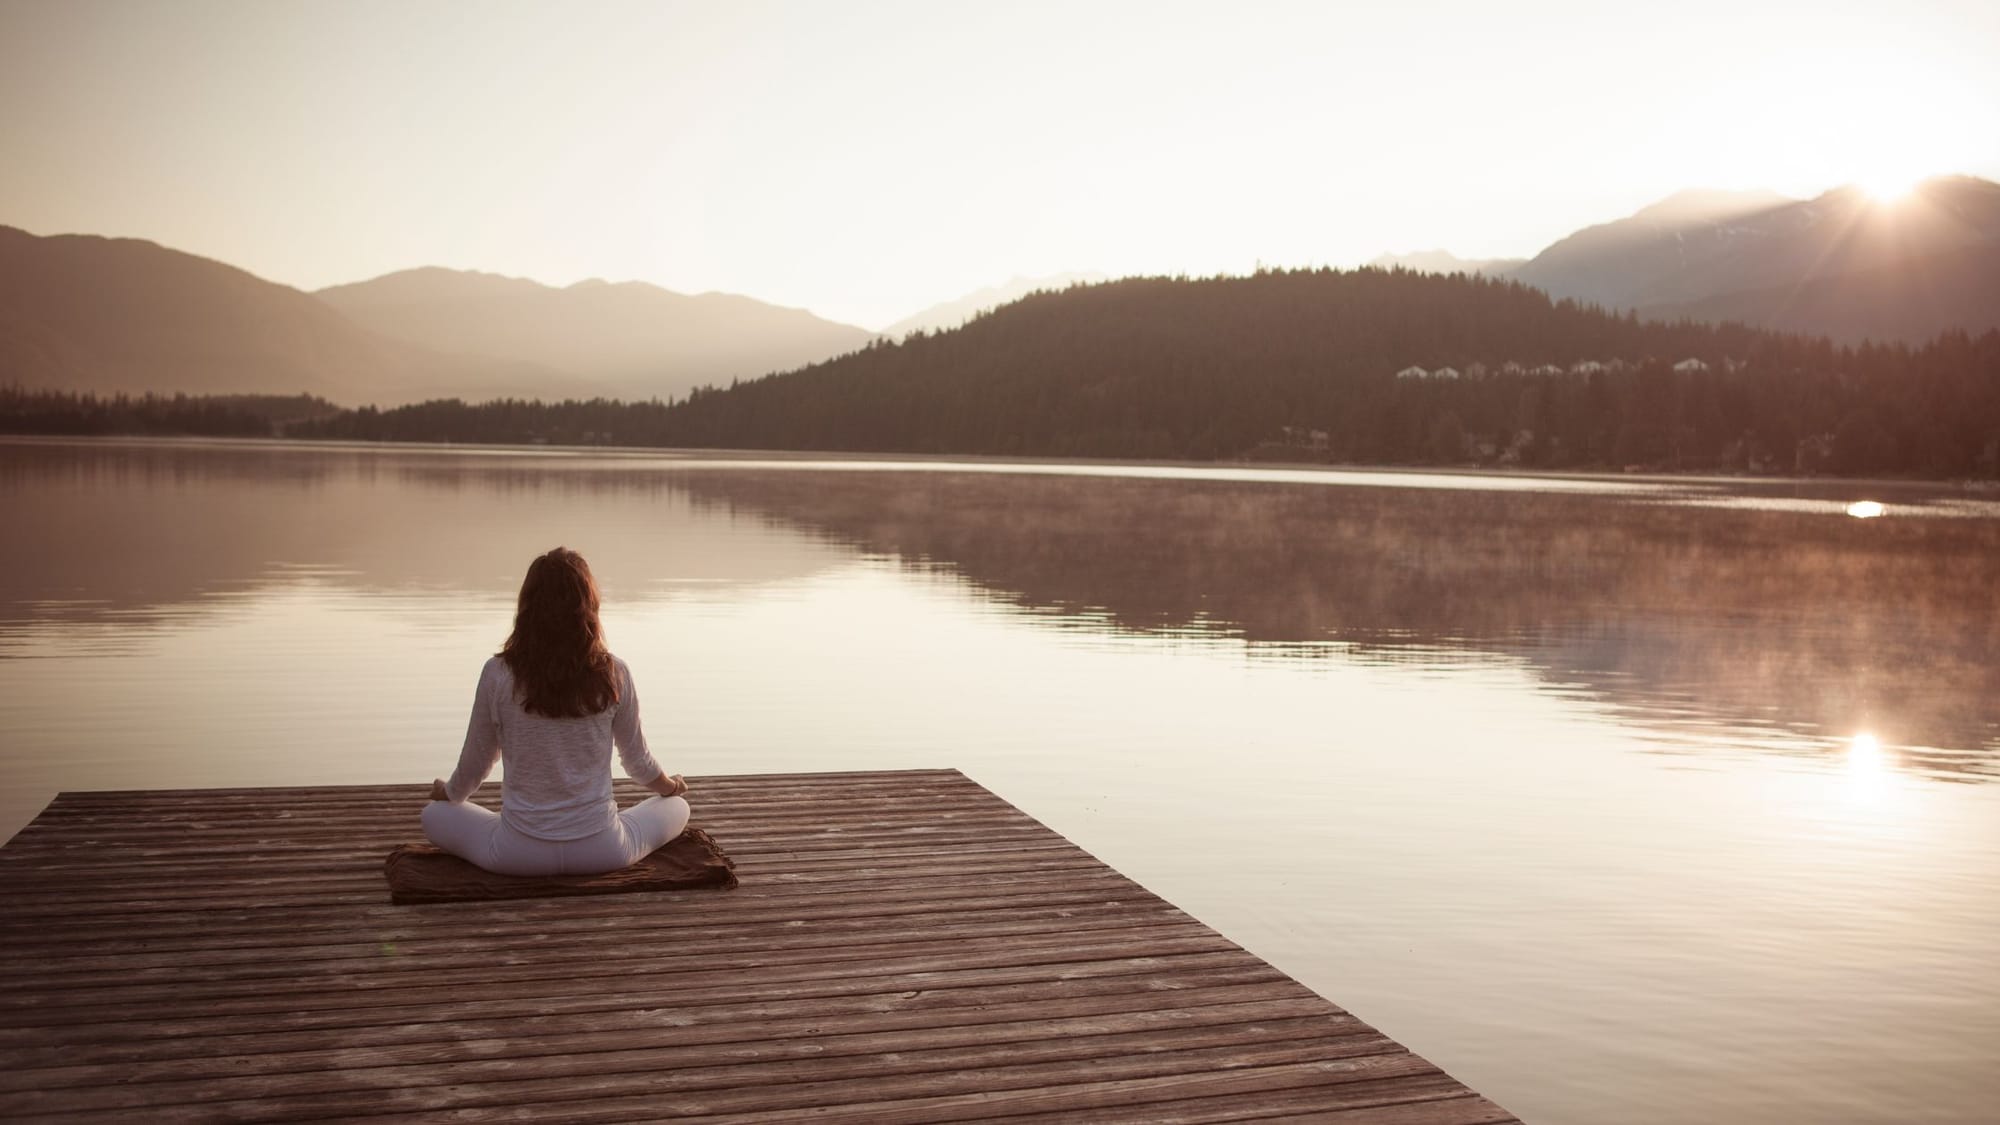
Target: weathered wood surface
(905, 947)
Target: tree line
(74, 413)
(1301, 365)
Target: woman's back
(552, 705)
(558, 771)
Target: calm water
(1623, 801)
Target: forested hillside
(1362, 367)
(1304, 364)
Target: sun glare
(1889, 187)
(1867, 766)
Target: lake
(1623, 800)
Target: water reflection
(1867, 766)
(1703, 619)
(1748, 620)
(144, 533)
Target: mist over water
(1621, 800)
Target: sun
(1889, 184)
(1888, 189)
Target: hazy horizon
(952, 308)
(866, 164)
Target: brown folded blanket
(424, 873)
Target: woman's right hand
(670, 785)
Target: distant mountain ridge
(89, 313)
(1639, 259)
(951, 314)
(1444, 261)
(1843, 264)
(125, 315)
(634, 339)
(82, 312)
(1798, 265)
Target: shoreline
(981, 461)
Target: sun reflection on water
(1865, 509)
(1868, 768)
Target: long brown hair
(556, 652)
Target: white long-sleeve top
(558, 780)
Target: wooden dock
(905, 947)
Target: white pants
(478, 834)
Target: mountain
(1165, 367)
(953, 313)
(637, 340)
(84, 313)
(1444, 261)
(1786, 263)
(1364, 366)
(1912, 301)
(1625, 263)
(1368, 367)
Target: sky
(865, 160)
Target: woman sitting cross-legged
(551, 705)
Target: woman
(552, 704)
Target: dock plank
(905, 947)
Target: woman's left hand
(437, 790)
